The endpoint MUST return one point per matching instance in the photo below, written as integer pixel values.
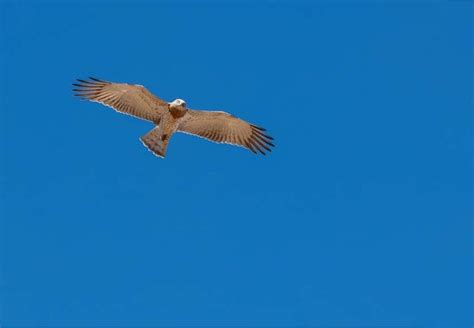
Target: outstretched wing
(128, 99)
(222, 127)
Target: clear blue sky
(360, 217)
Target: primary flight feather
(137, 101)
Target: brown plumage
(128, 99)
(172, 117)
(222, 127)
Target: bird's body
(137, 101)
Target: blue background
(360, 217)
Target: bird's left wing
(222, 127)
(128, 99)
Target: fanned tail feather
(156, 142)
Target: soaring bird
(168, 118)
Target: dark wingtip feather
(269, 143)
(249, 147)
(263, 138)
(258, 127)
(95, 79)
(256, 145)
(259, 131)
(84, 81)
(262, 144)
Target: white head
(178, 102)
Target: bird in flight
(137, 101)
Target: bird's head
(178, 103)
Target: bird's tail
(156, 142)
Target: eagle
(170, 117)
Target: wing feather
(222, 127)
(134, 100)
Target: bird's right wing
(128, 99)
(222, 127)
